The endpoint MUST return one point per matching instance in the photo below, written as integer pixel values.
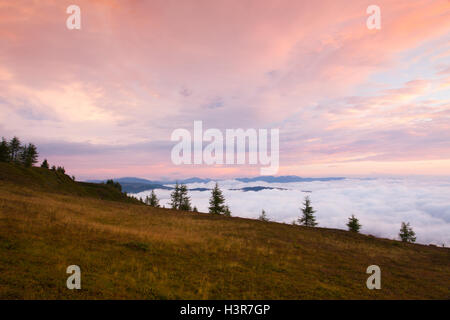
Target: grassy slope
(129, 250)
(51, 181)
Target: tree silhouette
(185, 201)
(109, 182)
(28, 155)
(14, 149)
(406, 233)
(217, 200)
(45, 164)
(152, 200)
(226, 211)
(5, 155)
(307, 218)
(263, 216)
(175, 197)
(353, 224)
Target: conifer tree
(353, 224)
(307, 218)
(185, 204)
(14, 149)
(153, 200)
(175, 197)
(406, 233)
(110, 182)
(185, 201)
(4, 151)
(217, 200)
(263, 216)
(63, 171)
(28, 155)
(45, 164)
(226, 211)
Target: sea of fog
(380, 204)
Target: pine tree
(406, 233)
(263, 216)
(185, 201)
(4, 151)
(63, 171)
(45, 164)
(109, 182)
(175, 197)
(226, 211)
(153, 200)
(28, 155)
(307, 218)
(217, 200)
(186, 204)
(353, 224)
(14, 149)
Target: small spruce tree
(307, 219)
(185, 201)
(175, 197)
(63, 171)
(263, 216)
(226, 211)
(353, 224)
(406, 233)
(217, 200)
(153, 200)
(45, 164)
(185, 204)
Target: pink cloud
(138, 70)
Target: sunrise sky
(349, 101)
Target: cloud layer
(380, 204)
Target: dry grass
(129, 251)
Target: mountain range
(136, 185)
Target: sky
(348, 101)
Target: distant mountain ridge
(268, 179)
(136, 185)
(161, 182)
(287, 179)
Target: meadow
(127, 250)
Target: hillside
(131, 251)
(51, 181)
